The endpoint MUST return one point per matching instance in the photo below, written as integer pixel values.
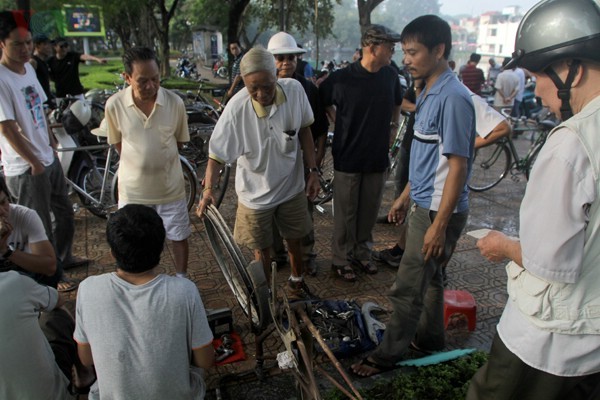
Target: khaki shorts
(254, 229)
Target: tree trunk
(236, 13)
(365, 7)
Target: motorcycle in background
(185, 68)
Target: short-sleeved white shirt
(22, 100)
(486, 118)
(506, 83)
(269, 161)
(27, 228)
(149, 170)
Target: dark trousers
(506, 377)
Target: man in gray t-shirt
(146, 333)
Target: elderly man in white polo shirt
(147, 124)
(265, 128)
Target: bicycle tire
(190, 181)
(325, 193)
(531, 160)
(91, 183)
(246, 280)
(222, 183)
(490, 165)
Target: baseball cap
(59, 40)
(378, 33)
(41, 38)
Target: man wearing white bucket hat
(285, 51)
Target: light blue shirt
(444, 125)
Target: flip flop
(371, 364)
(345, 272)
(68, 284)
(368, 267)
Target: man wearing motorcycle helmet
(548, 340)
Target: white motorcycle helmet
(77, 116)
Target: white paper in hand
(479, 233)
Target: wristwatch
(8, 252)
(315, 169)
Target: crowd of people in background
(274, 126)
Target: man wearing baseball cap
(42, 51)
(364, 99)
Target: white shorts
(175, 216)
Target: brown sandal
(345, 272)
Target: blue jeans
(47, 194)
(417, 295)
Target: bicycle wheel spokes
(247, 282)
(490, 166)
(326, 181)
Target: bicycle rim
(91, 182)
(325, 180)
(247, 282)
(222, 184)
(190, 181)
(490, 166)
(531, 160)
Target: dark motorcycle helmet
(555, 30)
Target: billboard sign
(83, 21)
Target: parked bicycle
(493, 163)
(90, 164)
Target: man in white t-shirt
(33, 174)
(507, 87)
(146, 333)
(266, 129)
(147, 124)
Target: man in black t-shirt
(42, 51)
(364, 100)
(64, 69)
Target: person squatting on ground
(64, 69)
(39, 356)
(266, 129)
(33, 172)
(547, 344)
(24, 246)
(435, 199)
(285, 51)
(147, 124)
(145, 333)
(364, 101)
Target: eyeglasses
(284, 57)
(64, 46)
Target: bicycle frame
(66, 151)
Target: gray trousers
(356, 201)
(47, 193)
(506, 377)
(417, 295)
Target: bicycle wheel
(246, 280)
(91, 182)
(326, 181)
(490, 166)
(531, 160)
(190, 181)
(222, 183)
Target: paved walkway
(496, 209)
